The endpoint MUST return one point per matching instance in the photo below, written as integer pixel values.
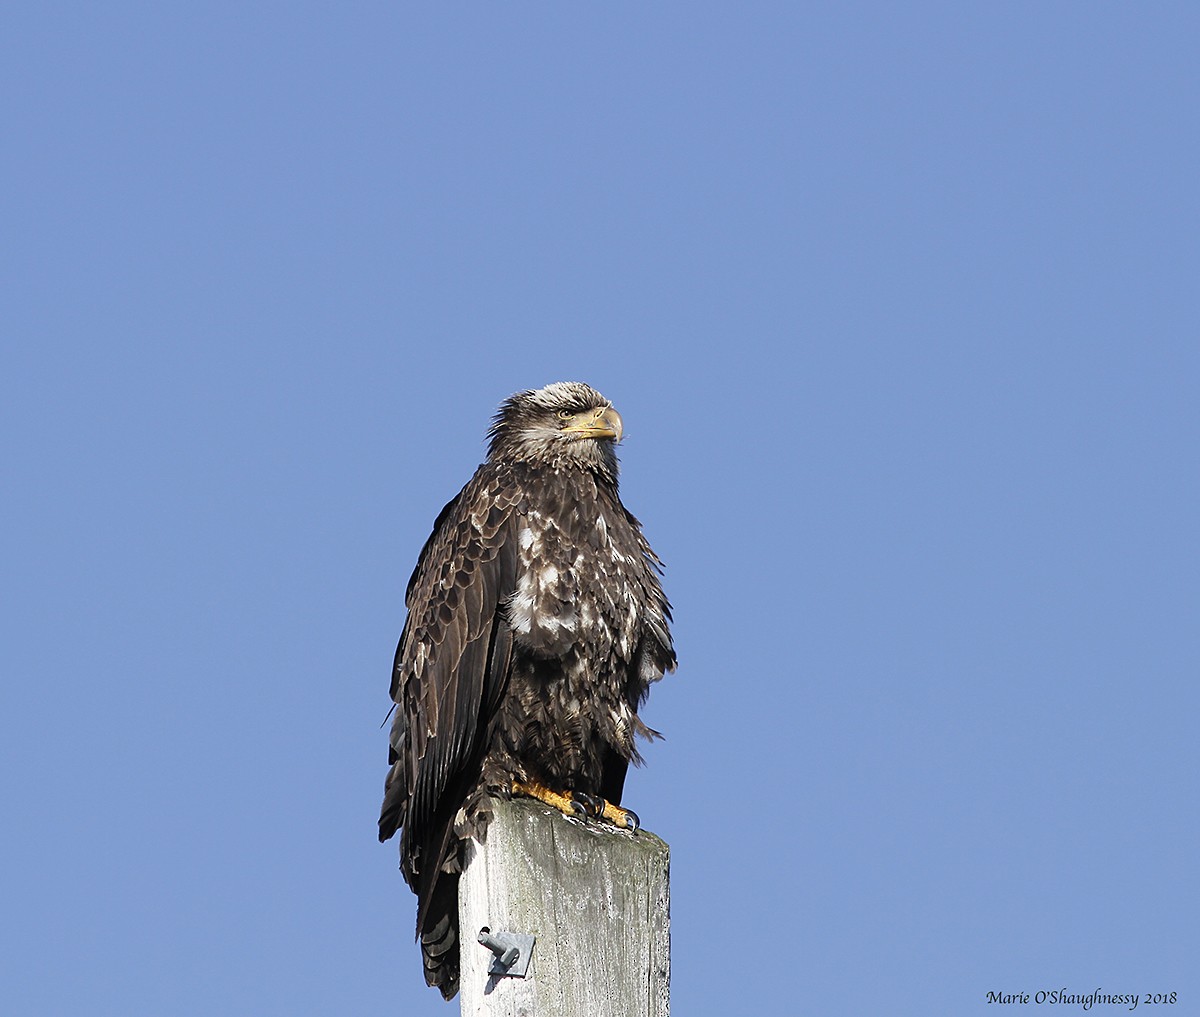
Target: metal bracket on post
(512, 950)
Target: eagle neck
(549, 476)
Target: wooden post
(598, 901)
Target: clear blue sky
(899, 303)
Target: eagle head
(564, 425)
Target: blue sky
(898, 303)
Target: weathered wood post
(596, 899)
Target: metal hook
(512, 950)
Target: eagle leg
(600, 808)
(580, 805)
(626, 819)
(565, 802)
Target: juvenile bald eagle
(536, 624)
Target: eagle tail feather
(439, 943)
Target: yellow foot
(565, 802)
(626, 819)
(580, 805)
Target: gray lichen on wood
(596, 898)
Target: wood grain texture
(596, 898)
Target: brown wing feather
(450, 670)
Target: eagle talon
(569, 803)
(623, 819)
(593, 807)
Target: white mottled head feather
(534, 427)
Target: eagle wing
(451, 668)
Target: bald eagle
(536, 625)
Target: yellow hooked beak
(602, 422)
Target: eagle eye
(565, 414)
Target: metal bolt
(505, 952)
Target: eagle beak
(602, 422)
